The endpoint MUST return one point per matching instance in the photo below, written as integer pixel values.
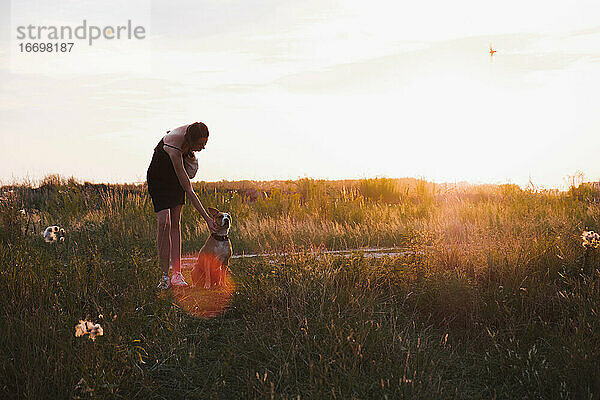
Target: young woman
(167, 184)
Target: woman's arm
(184, 181)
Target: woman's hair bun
(197, 131)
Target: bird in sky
(491, 51)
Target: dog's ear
(213, 212)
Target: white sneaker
(165, 283)
(177, 279)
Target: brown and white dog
(211, 267)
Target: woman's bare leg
(163, 239)
(175, 233)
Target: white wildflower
(88, 328)
(96, 331)
(53, 234)
(49, 235)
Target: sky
(321, 89)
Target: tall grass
(494, 298)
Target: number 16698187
(46, 47)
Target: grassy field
(495, 296)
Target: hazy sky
(324, 89)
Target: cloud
(518, 55)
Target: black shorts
(163, 184)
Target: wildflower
(22, 211)
(50, 234)
(590, 239)
(88, 328)
(53, 234)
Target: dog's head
(222, 219)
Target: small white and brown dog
(213, 261)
